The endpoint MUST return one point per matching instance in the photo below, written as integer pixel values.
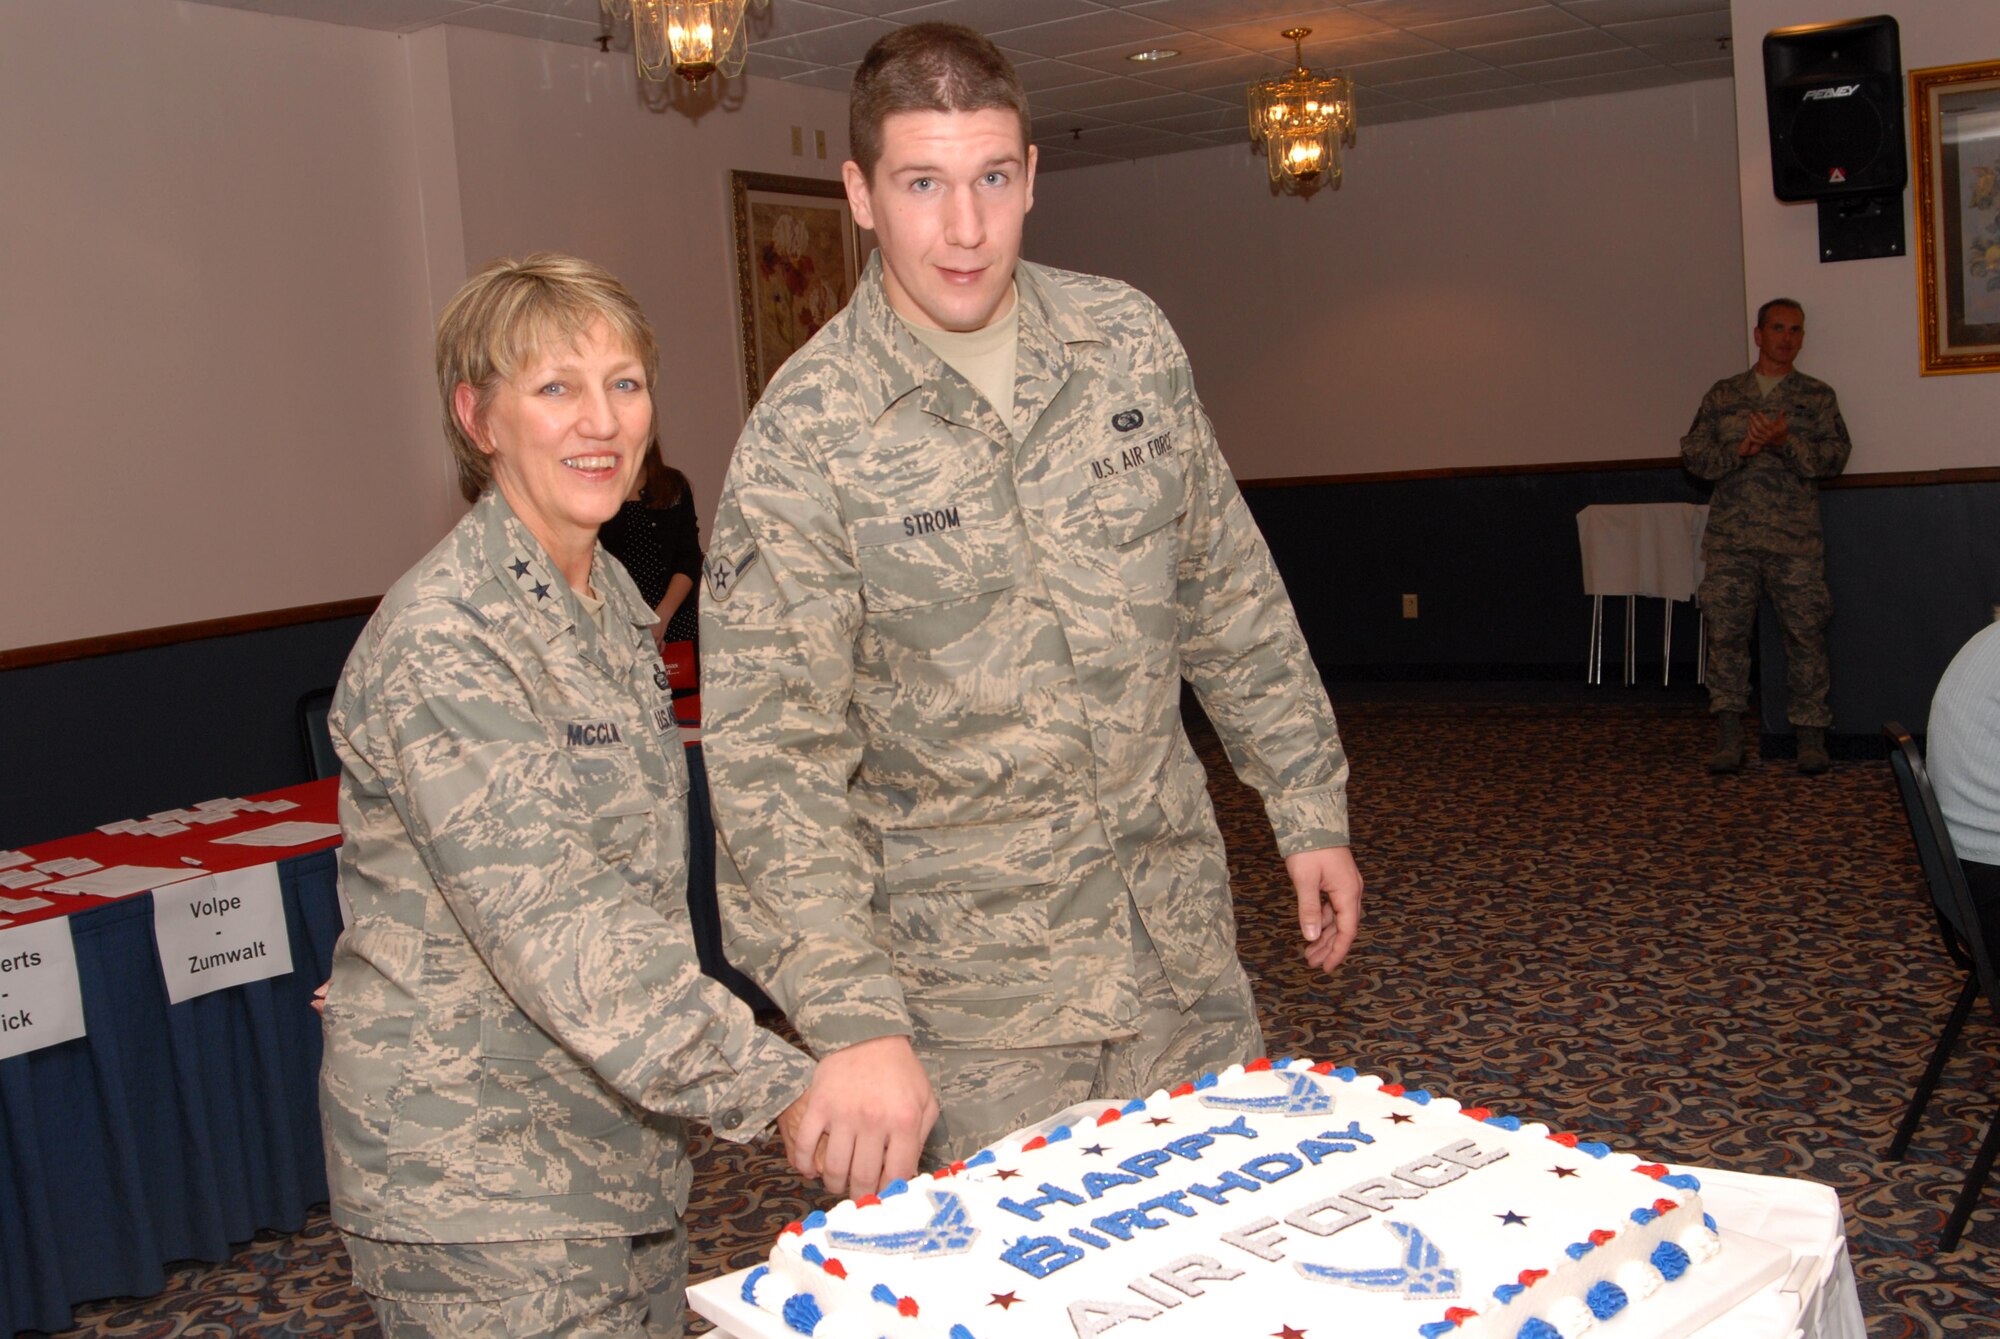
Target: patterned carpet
(1567, 919)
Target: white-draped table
(1634, 549)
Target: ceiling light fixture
(1302, 119)
(690, 38)
(1157, 53)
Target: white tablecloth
(1815, 1300)
(1648, 548)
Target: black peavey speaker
(1834, 93)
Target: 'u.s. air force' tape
(725, 572)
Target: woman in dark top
(656, 536)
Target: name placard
(221, 930)
(40, 1000)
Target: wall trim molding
(1885, 479)
(84, 648)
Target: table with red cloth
(170, 1131)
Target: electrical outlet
(819, 143)
(1409, 606)
(798, 142)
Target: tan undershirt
(984, 357)
(1765, 383)
(592, 605)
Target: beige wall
(1545, 283)
(1861, 315)
(227, 239)
(213, 320)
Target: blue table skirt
(171, 1131)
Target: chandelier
(1302, 119)
(692, 38)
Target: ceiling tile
(1686, 28)
(396, 16)
(989, 16)
(1195, 48)
(844, 44)
(788, 18)
(1152, 111)
(582, 11)
(1689, 53)
(1061, 160)
(1212, 73)
(1328, 26)
(1499, 27)
(1631, 11)
(837, 77)
(1472, 81)
(1203, 15)
(1414, 13)
(1382, 116)
(1121, 140)
(1486, 101)
(1390, 45)
(1039, 74)
(1380, 72)
(1097, 93)
(1221, 118)
(1092, 32)
(1574, 67)
(525, 23)
(1549, 47)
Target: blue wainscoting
(1494, 562)
(121, 736)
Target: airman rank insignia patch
(1126, 420)
(723, 573)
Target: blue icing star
(1507, 1292)
(882, 1293)
(960, 1332)
(1285, 1063)
(1206, 1081)
(1605, 1299)
(1576, 1250)
(1346, 1073)
(1708, 1222)
(802, 1312)
(1538, 1329)
(1643, 1214)
(1505, 1122)
(894, 1188)
(750, 1283)
(981, 1158)
(1419, 1096)
(817, 1218)
(1437, 1329)
(813, 1255)
(1595, 1150)
(1681, 1181)
(1057, 1135)
(1136, 1104)
(1670, 1260)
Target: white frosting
(1271, 1200)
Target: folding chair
(1958, 922)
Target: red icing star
(1566, 1140)
(1392, 1090)
(1110, 1114)
(1601, 1235)
(906, 1306)
(1288, 1332)
(1003, 1300)
(1664, 1206)
(867, 1201)
(1182, 1091)
(835, 1268)
(1005, 1174)
(1258, 1066)
(1037, 1142)
(1476, 1113)
(1563, 1172)
(1323, 1067)
(1458, 1315)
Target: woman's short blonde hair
(510, 313)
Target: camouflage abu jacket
(517, 1024)
(1770, 501)
(934, 657)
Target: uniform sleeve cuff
(774, 1076)
(1309, 820)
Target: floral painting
(797, 256)
(1955, 124)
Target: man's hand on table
(1328, 884)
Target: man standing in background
(1766, 438)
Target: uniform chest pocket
(1138, 501)
(905, 566)
(612, 793)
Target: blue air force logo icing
(1421, 1275)
(949, 1232)
(1302, 1097)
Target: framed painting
(1955, 140)
(798, 255)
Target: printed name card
(220, 930)
(40, 1000)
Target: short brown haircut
(1765, 310)
(928, 67)
(510, 313)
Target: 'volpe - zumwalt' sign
(40, 1001)
(221, 930)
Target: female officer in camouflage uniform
(516, 1026)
